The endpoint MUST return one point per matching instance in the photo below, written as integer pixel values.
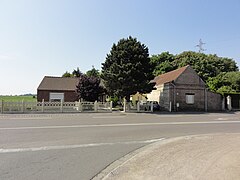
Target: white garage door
(56, 97)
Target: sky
(49, 37)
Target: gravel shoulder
(215, 156)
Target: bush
(115, 100)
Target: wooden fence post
(111, 105)
(2, 104)
(152, 106)
(229, 103)
(95, 106)
(124, 105)
(22, 106)
(138, 106)
(42, 105)
(61, 106)
(170, 106)
(79, 106)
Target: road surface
(79, 146)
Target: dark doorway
(235, 100)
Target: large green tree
(163, 63)
(206, 65)
(88, 88)
(67, 74)
(225, 82)
(93, 72)
(127, 68)
(75, 73)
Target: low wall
(54, 107)
(214, 101)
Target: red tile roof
(58, 83)
(169, 76)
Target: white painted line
(118, 125)
(46, 148)
(107, 117)
(221, 119)
(21, 118)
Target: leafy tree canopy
(93, 72)
(163, 63)
(225, 82)
(75, 73)
(127, 69)
(67, 74)
(88, 88)
(205, 65)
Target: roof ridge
(58, 77)
(169, 76)
(184, 67)
(58, 83)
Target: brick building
(57, 89)
(184, 90)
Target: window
(189, 98)
(56, 97)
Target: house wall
(180, 98)
(155, 94)
(175, 92)
(190, 77)
(69, 96)
(139, 97)
(202, 99)
(165, 97)
(214, 101)
(188, 83)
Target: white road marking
(107, 117)
(118, 125)
(20, 118)
(221, 119)
(45, 148)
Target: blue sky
(49, 37)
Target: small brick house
(57, 89)
(184, 90)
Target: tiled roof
(169, 76)
(58, 83)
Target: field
(18, 98)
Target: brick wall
(214, 101)
(199, 98)
(190, 77)
(165, 98)
(188, 83)
(69, 96)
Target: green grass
(18, 98)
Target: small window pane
(189, 99)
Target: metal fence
(52, 107)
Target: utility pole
(200, 46)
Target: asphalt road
(78, 146)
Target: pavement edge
(121, 161)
